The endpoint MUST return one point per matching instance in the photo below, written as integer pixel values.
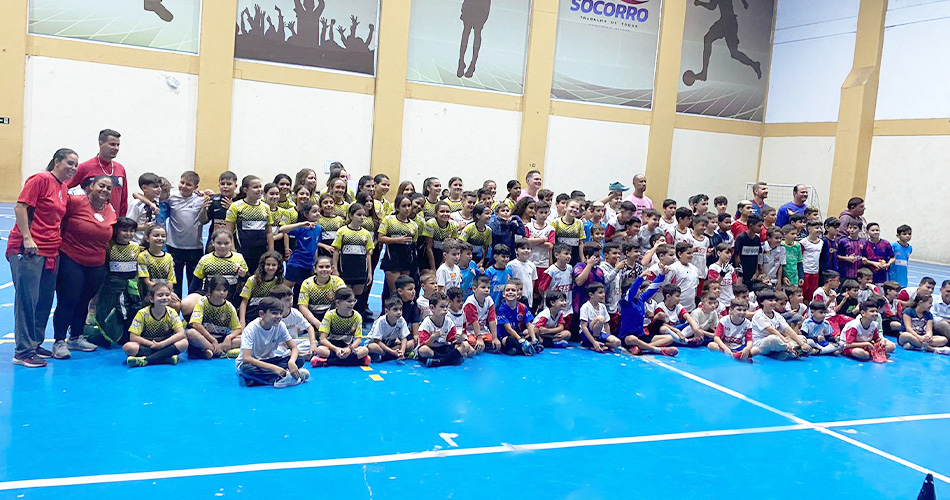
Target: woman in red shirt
(87, 229)
(33, 253)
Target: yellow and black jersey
(433, 230)
(287, 204)
(455, 206)
(428, 209)
(254, 289)
(393, 227)
(278, 217)
(370, 224)
(569, 234)
(479, 239)
(353, 241)
(155, 329)
(342, 330)
(340, 209)
(250, 223)
(228, 267)
(319, 298)
(329, 226)
(383, 207)
(123, 260)
(156, 267)
(218, 320)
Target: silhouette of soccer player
(727, 28)
(159, 9)
(474, 15)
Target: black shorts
(399, 257)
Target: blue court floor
(564, 424)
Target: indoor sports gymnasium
(578, 249)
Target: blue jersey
(518, 317)
(306, 246)
(633, 306)
(499, 278)
(468, 277)
(898, 270)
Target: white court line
(798, 420)
(454, 452)
(6, 285)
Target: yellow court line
(366, 368)
(376, 378)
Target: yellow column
(391, 55)
(539, 73)
(215, 86)
(665, 88)
(12, 88)
(849, 176)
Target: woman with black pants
(33, 253)
(87, 230)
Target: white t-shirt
(562, 281)
(540, 254)
(811, 252)
(141, 214)
(544, 319)
(687, 278)
(386, 332)
(460, 220)
(588, 313)
(706, 321)
(673, 316)
(456, 317)
(527, 272)
(667, 226)
(700, 250)
(449, 276)
(760, 322)
(820, 295)
(262, 343)
(444, 334)
(735, 336)
(771, 259)
(297, 327)
(612, 286)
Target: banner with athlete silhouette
(606, 51)
(157, 24)
(330, 34)
(478, 44)
(727, 47)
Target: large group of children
(288, 271)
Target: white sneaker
(60, 351)
(287, 380)
(942, 350)
(304, 374)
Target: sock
(162, 355)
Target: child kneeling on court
(862, 336)
(439, 341)
(818, 331)
(595, 321)
(259, 362)
(633, 311)
(734, 333)
(389, 338)
(341, 334)
(157, 334)
(214, 329)
(515, 330)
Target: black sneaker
(43, 353)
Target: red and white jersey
(700, 252)
(821, 295)
(654, 271)
(557, 279)
(483, 313)
(866, 293)
(726, 275)
(675, 315)
(674, 236)
(443, 334)
(544, 319)
(854, 331)
(907, 294)
(735, 336)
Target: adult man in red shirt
(104, 164)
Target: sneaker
(286, 381)
(80, 344)
(43, 353)
(60, 351)
(560, 344)
(942, 350)
(526, 348)
(317, 362)
(538, 347)
(908, 346)
(173, 360)
(304, 374)
(134, 361)
(367, 360)
(635, 350)
(31, 362)
(233, 353)
(429, 362)
(669, 351)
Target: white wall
(908, 183)
(280, 128)
(811, 57)
(589, 155)
(445, 140)
(69, 102)
(913, 67)
(800, 160)
(711, 163)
